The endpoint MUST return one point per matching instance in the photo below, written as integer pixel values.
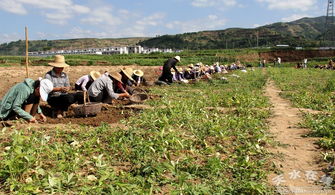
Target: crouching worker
(84, 82)
(60, 99)
(126, 81)
(138, 77)
(23, 99)
(166, 74)
(104, 88)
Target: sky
(68, 19)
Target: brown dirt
(295, 55)
(15, 74)
(294, 152)
(105, 116)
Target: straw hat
(128, 72)
(138, 73)
(95, 74)
(59, 62)
(191, 66)
(177, 58)
(116, 76)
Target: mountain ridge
(304, 32)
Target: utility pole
(257, 39)
(329, 24)
(27, 57)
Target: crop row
(204, 138)
(312, 89)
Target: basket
(138, 91)
(138, 98)
(88, 109)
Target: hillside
(306, 32)
(302, 32)
(18, 47)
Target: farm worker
(305, 63)
(59, 99)
(263, 63)
(279, 61)
(23, 100)
(84, 82)
(127, 80)
(138, 77)
(217, 67)
(103, 89)
(166, 74)
(330, 64)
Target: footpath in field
(296, 156)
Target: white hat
(46, 87)
(177, 58)
(59, 62)
(138, 73)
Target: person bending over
(23, 100)
(166, 74)
(103, 89)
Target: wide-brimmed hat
(46, 86)
(128, 72)
(138, 73)
(116, 76)
(59, 62)
(95, 74)
(177, 58)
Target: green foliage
(306, 32)
(183, 146)
(314, 89)
(307, 88)
(153, 59)
(19, 47)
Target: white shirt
(82, 81)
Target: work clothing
(102, 87)
(18, 96)
(166, 74)
(83, 83)
(57, 99)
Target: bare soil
(297, 157)
(15, 74)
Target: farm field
(312, 91)
(224, 56)
(209, 137)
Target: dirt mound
(296, 55)
(112, 115)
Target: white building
(103, 51)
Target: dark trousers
(102, 96)
(166, 77)
(61, 102)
